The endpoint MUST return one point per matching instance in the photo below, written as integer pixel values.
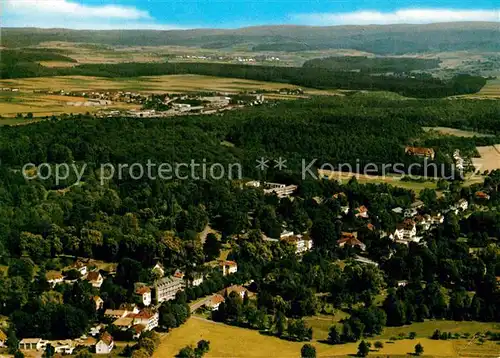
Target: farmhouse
(420, 152)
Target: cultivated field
(149, 84)
(455, 132)
(228, 341)
(12, 103)
(490, 158)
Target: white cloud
(73, 15)
(73, 9)
(402, 16)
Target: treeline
(372, 64)
(302, 76)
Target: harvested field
(489, 160)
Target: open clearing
(489, 160)
(149, 84)
(228, 341)
(394, 180)
(455, 132)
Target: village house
(406, 232)
(240, 290)
(96, 330)
(424, 222)
(64, 347)
(361, 212)
(437, 219)
(144, 293)
(214, 302)
(80, 267)
(196, 280)
(146, 318)
(350, 239)
(167, 287)
(123, 311)
(299, 242)
(32, 344)
(158, 270)
(461, 205)
(228, 267)
(105, 344)
(421, 152)
(54, 278)
(95, 279)
(99, 303)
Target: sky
(187, 14)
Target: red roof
(420, 151)
(142, 290)
(216, 299)
(93, 276)
(228, 263)
(350, 241)
(408, 224)
(482, 195)
(106, 338)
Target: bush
(412, 335)
(379, 345)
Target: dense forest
(332, 130)
(135, 223)
(385, 40)
(373, 64)
(321, 78)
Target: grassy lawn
(321, 324)
(425, 329)
(390, 179)
(228, 341)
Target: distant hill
(378, 39)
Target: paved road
(194, 306)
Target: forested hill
(379, 39)
(333, 130)
(423, 87)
